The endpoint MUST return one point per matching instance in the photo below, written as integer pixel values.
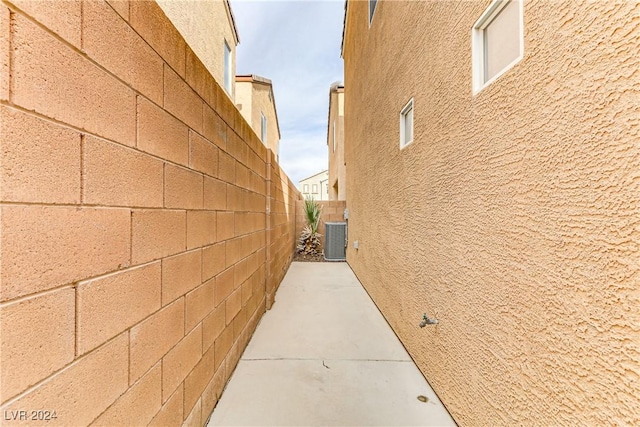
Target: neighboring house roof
(254, 78)
(344, 27)
(233, 22)
(314, 175)
(335, 87)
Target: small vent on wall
(335, 242)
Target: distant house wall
(244, 102)
(205, 25)
(144, 226)
(513, 217)
(264, 104)
(255, 98)
(335, 129)
(316, 186)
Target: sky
(295, 44)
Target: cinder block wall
(332, 211)
(282, 196)
(142, 220)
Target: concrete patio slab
(325, 356)
(324, 313)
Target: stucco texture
(513, 217)
(255, 98)
(205, 26)
(337, 168)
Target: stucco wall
(244, 92)
(255, 98)
(337, 168)
(513, 217)
(205, 25)
(263, 103)
(142, 221)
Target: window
(372, 9)
(306, 188)
(228, 63)
(498, 41)
(406, 124)
(263, 128)
(334, 136)
(314, 188)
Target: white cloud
(296, 44)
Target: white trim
(228, 68)
(409, 106)
(263, 128)
(334, 136)
(477, 43)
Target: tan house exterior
(214, 44)
(257, 104)
(502, 199)
(316, 186)
(335, 144)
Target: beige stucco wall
(263, 103)
(205, 25)
(244, 93)
(256, 99)
(337, 168)
(513, 217)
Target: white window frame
(305, 188)
(263, 128)
(478, 43)
(314, 189)
(228, 67)
(334, 136)
(372, 12)
(403, 115)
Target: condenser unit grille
(335, 241)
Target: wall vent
(335, 241)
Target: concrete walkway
(325, 356)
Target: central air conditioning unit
(335, 241)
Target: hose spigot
(427, 321)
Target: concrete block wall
(281, 234)
(134, 219)
(332, 211)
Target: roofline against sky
(335, 87)
(232, 19)
(315, 174)
(344, 28)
